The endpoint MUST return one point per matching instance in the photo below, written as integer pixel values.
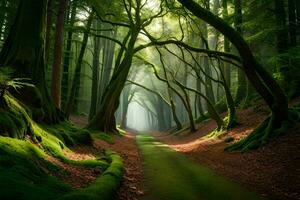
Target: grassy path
(171, 176)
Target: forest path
(170, 175)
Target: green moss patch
(24, 172)
(170, 175)
(106, 186)
(102, 136)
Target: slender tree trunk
(241, 92)
(173, 108)
(56, 70)
(67, 54)
(227, 66)
(95, 74)
(76, 78)
(292, 22)
(48, 30)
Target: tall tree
(265, 85)
(56, 69)
(76, 78)
(25, 54)
(242, 81)
(68, 52)
(95, 72)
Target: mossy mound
(24, 169)
(24, 172)
(106, 186)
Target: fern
(7, 82)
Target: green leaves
(7, 82)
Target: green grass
(170, 175)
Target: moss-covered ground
(170, 175)
(25, 172)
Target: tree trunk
(95, 73)
(67, 55)
(76, 79)
(104, 118)
(263, 82)
(241, 92)
(173, 108)
(56, 70)
(48, 30)
(24, 50)
(227, 66)
(292, 22)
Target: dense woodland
(76, 73)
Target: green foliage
(7, 82)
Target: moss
(106, 186)
(69, 134)
(170, 175)
(23, 172)
(214, 134)
(103, 136)
(24, 169)
(12, 125)
(120, 130)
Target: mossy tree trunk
(265, 85)
(24, 51)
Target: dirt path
(170, 175)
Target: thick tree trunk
(104, 118)
(56, 69)
(24, 50)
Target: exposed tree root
(269, 129)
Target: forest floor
(272, 170)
